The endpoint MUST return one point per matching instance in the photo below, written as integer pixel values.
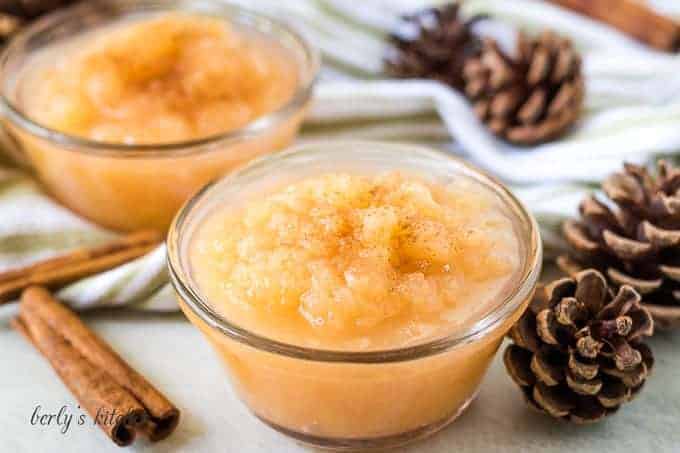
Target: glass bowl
(344, 399)
(128, 187)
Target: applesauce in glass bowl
(355, 291)
(125, 108)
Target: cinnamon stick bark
(95, 392)
(633, 18)
(98, 377)
(80, 263)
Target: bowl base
(352, 444)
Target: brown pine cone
(532, 97)
(433, 43)
(577, 352)
(635, 242)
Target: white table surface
(173, 355)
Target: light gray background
(173, 355)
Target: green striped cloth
(632, 113)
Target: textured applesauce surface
(345, 261)
(170, 78)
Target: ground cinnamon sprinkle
(98, 377)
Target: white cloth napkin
(632, 113)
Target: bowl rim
(230, 12)
(525, 283)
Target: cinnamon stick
(91, 387)
(633, 18)
(97, 376)
(80, 263)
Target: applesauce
(356, 291)
(197, 77)
(355, 262)
(124, 112)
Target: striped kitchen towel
(632, 113)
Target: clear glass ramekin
(128, 187)
(344, 399)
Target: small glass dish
(129, 187)
(345, 399)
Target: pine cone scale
(591, 292)
(565, 65)
(643, 326)
(642, 286)
(547, 368)
(614, 395)
(576, 235)
(579, 367)
(624, 300)
(539, 67)
(670, 272)
(587, 387)
(660, 238)
(506, 102)
(534, 107)
(518, 362)
(625, 248)
(562, 99)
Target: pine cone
(637, 243)
(433, 43)
(577, 352)
(531, 98)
